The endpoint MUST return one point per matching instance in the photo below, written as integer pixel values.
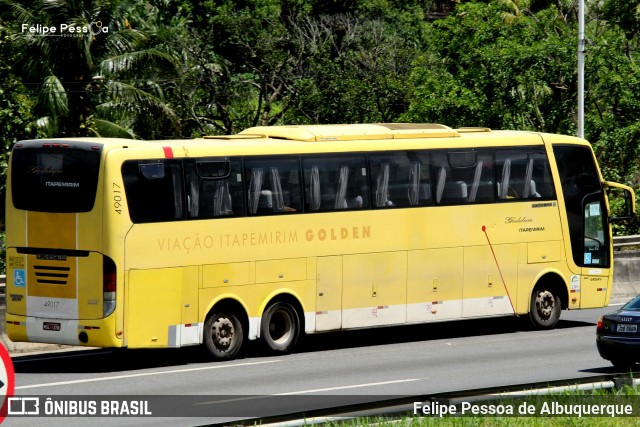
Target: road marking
(350, 386)
(118, 377)
(293, 393)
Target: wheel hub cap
(223, 332)
(545, 303)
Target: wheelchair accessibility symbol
(19, 278)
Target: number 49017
(117, 198)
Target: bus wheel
(545, 308)
(280, 327)
(223, 335)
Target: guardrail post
(622, 381)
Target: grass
(624, 398)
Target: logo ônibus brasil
(95, 28)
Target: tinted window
(154, 190)
(579, 178)
(55, 176)
(273, 186)
(596, 247)
(634, 304)
(523, 173)
(335, 183)
(464, 176)
(214, 188)
(400, 179)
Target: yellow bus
(280, 231)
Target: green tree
(96, 75)
(262, 62)
(495, 65)
(612, 107)
(358, 72)
(16, 120)
(625, 14)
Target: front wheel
(545, 308)
(223, 335)
(280, 327)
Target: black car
(618, 335)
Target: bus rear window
(55, 177)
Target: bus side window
(481, 189)
(523, 174)
(335, 183)
(463, 176)
(454, 174)
(154, 190)
(396, 181)
(504, 174)
(214, 188)
(511, 174)
(273, 186)
(419, 191)
(541, 182)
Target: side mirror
(629, 202)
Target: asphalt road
(409, 360)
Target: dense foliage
(168, 69)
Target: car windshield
(634, 304)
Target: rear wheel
(545, 308)
(223, 335)
(280, 327)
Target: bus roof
(330, 138)
(353, 132)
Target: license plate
(51, 326)
(627, 328)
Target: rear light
(603, 325)
(109, 286)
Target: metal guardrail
(398, 407)
(620, 242)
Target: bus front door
(595, 284)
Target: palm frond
(58, 9)
(19, 13)
(126, 98)
(131, 62)
(125, 41)
(54, 97)
(105, 128)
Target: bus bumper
(89, 333)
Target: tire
(280, 327)
(545, 308)
(223, 335)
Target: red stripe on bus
(168, 152)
